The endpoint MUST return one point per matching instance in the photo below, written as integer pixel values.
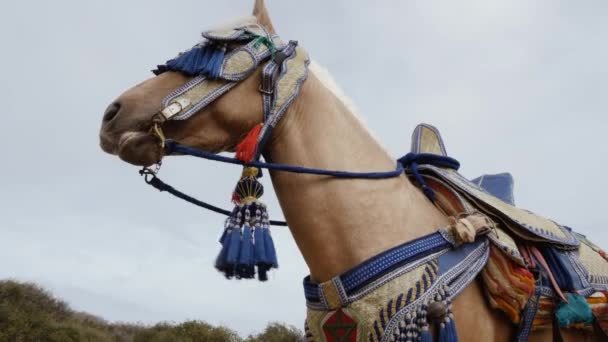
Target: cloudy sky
(517, 86)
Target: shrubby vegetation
(29, 313)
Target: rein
(172, 147)
(408, 162)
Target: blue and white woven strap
(409, 252)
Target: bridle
(216, 72)
(217, 65)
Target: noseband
(224, 59)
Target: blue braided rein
(171, 147)
(410, 162)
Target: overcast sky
(517, 86)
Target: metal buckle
(280, 57)
(149, 173)
(175, 107)
(264, 91)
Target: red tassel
(247, 147)
(235, 198)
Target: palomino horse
(338, 224)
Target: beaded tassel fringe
(415, 325)
(447, 328)
(247, 245)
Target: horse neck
(338, 223)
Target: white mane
(328, 81)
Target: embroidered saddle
(538, 271)
(533, 269)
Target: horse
(337, 223)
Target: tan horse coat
(336, 223)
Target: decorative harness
(225, 58)
(446, 261)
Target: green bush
(277, 332)
(29, 313)
(190, 331)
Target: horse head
(127, 124)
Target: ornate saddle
(539, 272)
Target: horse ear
(261, 13)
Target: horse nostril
(111, 112)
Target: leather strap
(271, 72)
(557, 334)
(270, 75)
(268, 86)
(527, 318)
(536, 253)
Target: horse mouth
(137, 148)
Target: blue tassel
(451, 331)
(190, 62)
(258, 238)
(214, 64)
(223, 237)
(232, 254)
(221, 263)
(227, 225)
(425, 335)
(203, 59)
(247, 246)
(246, 266)
(447, 330)
(423, 324)
(269, 244)
(231, 241)
(204, 55)
(265, 247)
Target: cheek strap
(282, 79)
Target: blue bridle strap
(409, 162)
